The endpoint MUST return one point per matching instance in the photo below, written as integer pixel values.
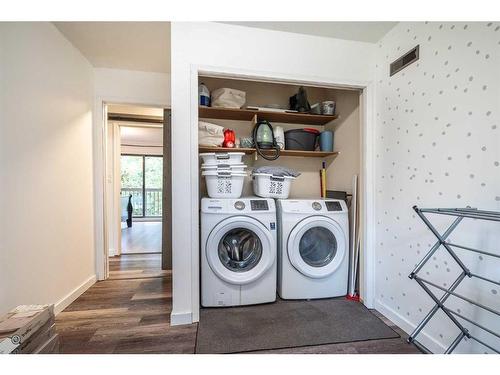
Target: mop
(354, 243)
(322, 180)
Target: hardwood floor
(124, 316)
(142, 237)
(130, 266)
(133, 316)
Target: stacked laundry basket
(224, 174)
(225, 177)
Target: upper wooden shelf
(271, 116)
(248, 151)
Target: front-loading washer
(313, 248)
(238, 251)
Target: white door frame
(367, 261)
(114, 214)
(100, 131)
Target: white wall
(438, 142)
(238, 49)
(347, 141)
(46, 95)
(132, 87)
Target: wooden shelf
(271, 116)
(248, 151)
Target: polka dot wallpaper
(438, 145)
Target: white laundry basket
(224, 184)
(266, 185)
(238, 168)
(215, 158)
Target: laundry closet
(270, 223)
(341, 164)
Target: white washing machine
(313, 248)
(238, 251)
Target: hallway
(136, 266)
(142, 237)
(124, 316)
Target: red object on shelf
(354, 297)
(311, 130)
(229, 138)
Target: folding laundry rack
(459, 213)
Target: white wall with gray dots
(438, 145)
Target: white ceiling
(143, 46)
(360, 31)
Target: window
(142, 177)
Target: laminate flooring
(132, 315)
(133, 266)
(142, 237)
(124, 316)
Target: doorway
(137, 192)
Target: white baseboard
(407, 326)
(74, 294)
(177, 319)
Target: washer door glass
(318, 246)
(240, 250)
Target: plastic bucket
(301, 139)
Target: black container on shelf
(301, 139)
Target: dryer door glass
(240, 250)
(318, 246)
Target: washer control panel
(259, 205)
(316, 206)
(239, 205)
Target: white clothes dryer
(313, 248)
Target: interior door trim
(166, 246)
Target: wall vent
(405, 60)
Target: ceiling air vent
(405, 60)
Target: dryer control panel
(313, 206)
(333, 206)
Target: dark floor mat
(287, 324)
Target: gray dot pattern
(438, 145)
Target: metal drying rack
(459, 213)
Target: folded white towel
(210, 134)
(207, 128)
